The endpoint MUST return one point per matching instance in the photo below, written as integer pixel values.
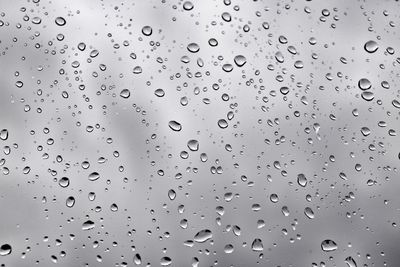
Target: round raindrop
(5, 250)
(364, 84)
(371, 46)
(187, 5)
(147, 30)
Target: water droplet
(5, 250)
(82, 46)
(202, 236)
(328, 245)
(175, 126)
(302, 180)
(137, 259)
(188, 5)
(371, 46)
(365, 131)
(88, 225)
(309, 213)
(64, 182)
(228, 249)
(367, 95)
(396, 103)
(36, 20)
(70, 202)
(226, 16)
(222, 123)
(274, 198)
(171, 194)
(193, 48)
(4, 134)
(125, 93)
(165, 261)
(227, 67)
(240, 60)
(159, 92)
(114, 207)
(193, 145)
(364, 84)
(94, 176)
(257, 245)
(350, 262)
(147, 30)
(60, 21)
(284, 90)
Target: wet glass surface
(199, 133)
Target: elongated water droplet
(88, 225)
(202, 236)
(302, 180)
(350, 262)
(175, 126)
(94, 176)
(4, 134)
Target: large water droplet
(302, 180)
(371, 46)
(188, 5)
(5, 250)
(350, 262)
(125, 93)
(175, 126)
(328, 245)
(171, 194)
(193, 145)
(367, 95)
(364, 84)
(193, 47)
(165, 261)
(88, 225)
(257, 245)
(4, 134)
(240, 60)
(147, 30)
(309, 213)
(222, 123)
(60, 21)
(202, 236)
(94, 176)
